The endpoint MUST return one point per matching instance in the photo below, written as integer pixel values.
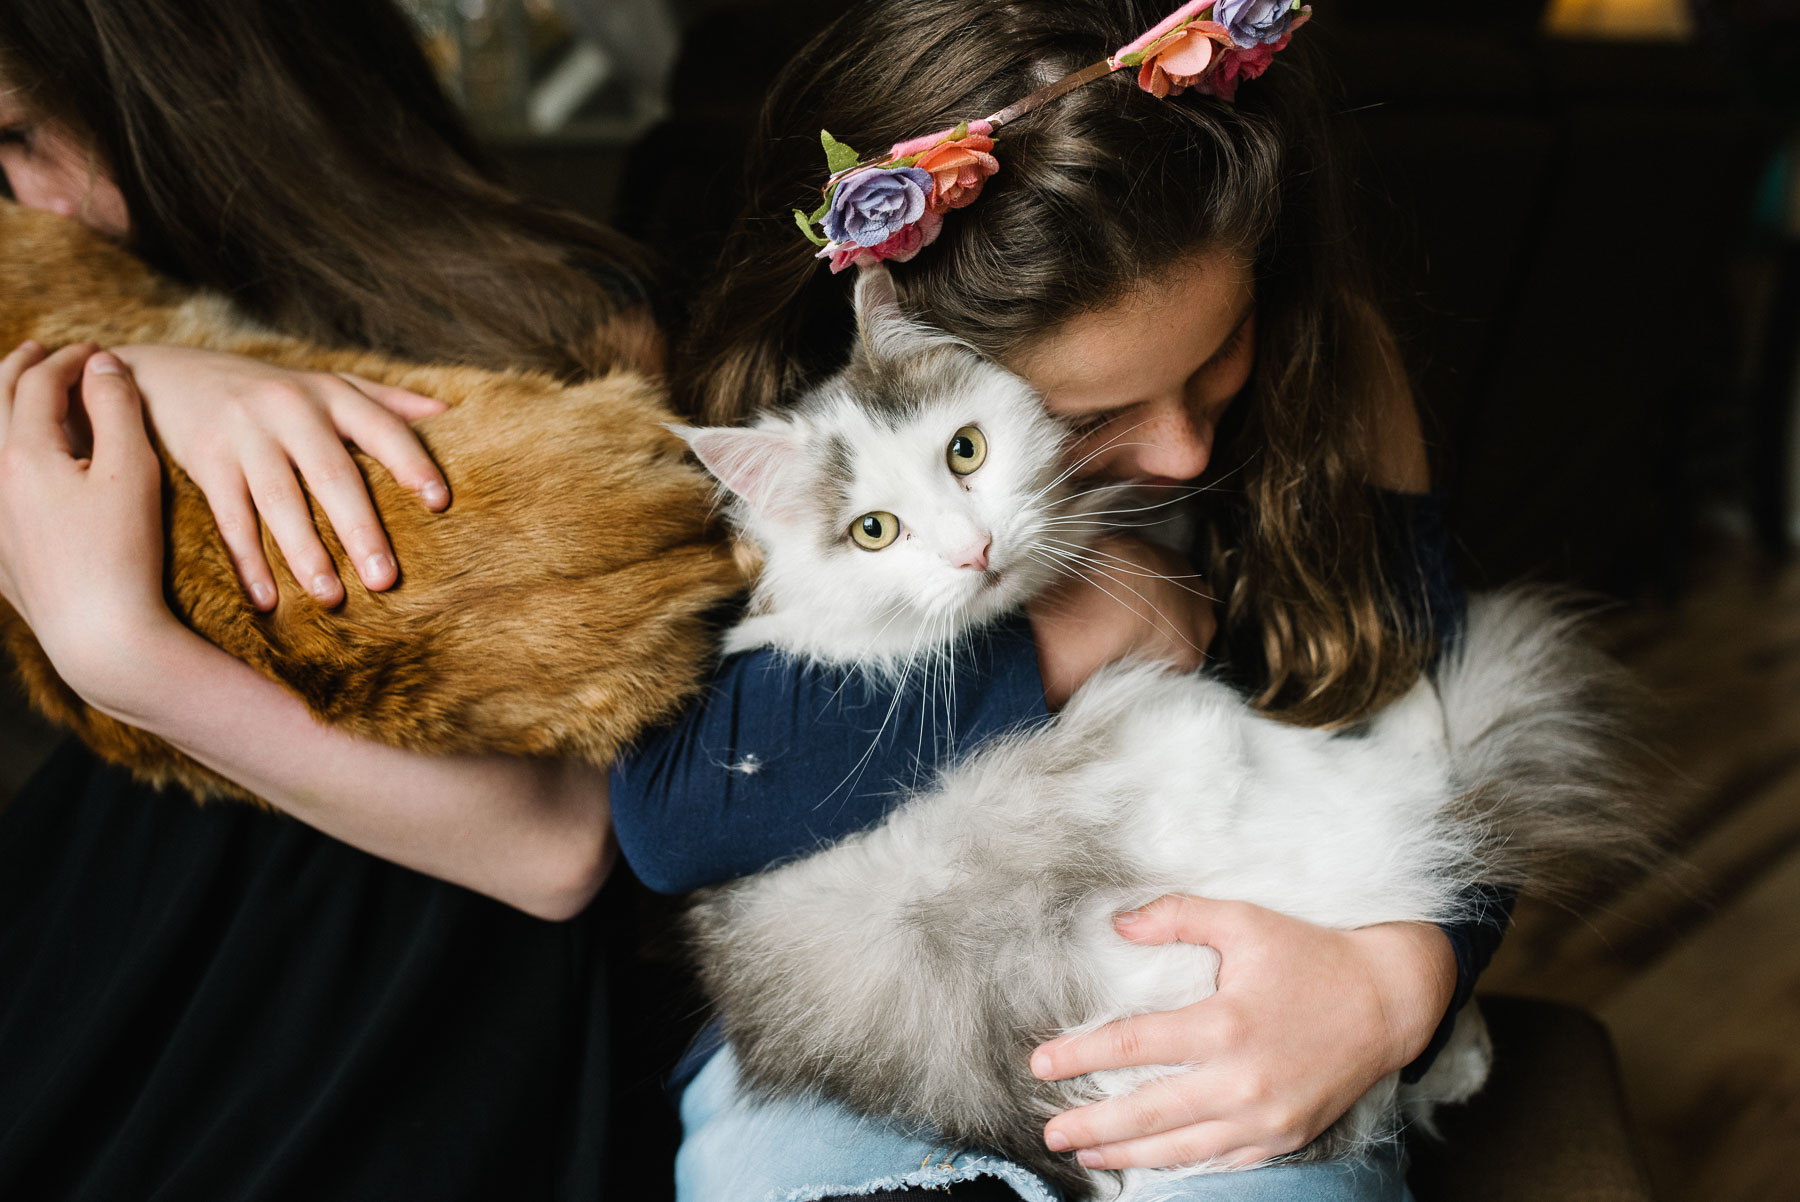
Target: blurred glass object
(1637, 20)
(585, 70)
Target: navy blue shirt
(781, 757)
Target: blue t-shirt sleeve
(1416, 551)
(781, 757)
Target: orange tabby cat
(555, 608)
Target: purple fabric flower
(874, 204)
(1254, 22)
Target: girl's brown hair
(1097, 192)
(301, 158)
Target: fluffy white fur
(909, 970)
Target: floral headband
(893, 207)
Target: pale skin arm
(1306, 1018)
(80, 559)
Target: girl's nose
(1173, 444)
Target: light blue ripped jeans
(736, 1148)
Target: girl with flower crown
(1162, 247)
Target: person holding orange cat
(220, 1002)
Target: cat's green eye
(967, 450)
(873, 531)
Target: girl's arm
(80, 560)
(780, 758)
(535, 834)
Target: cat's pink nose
(974, 556)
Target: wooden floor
(1698, 978)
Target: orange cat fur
(556, 608)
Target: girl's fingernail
(377, 566)
(1090, 1159)
(322, 585)
(262, 594)
(31, 345)
(104, 364)
(1056, 1141)
(1040, 1065)
(1127, 918)
(434, 495)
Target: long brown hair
(301, 158)
(1097, 192)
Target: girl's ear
(761, 466)
(883, 331)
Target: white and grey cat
(908, 971)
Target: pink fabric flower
(1234, 65)
(958, 170)
(903, 245)
(1182, 59)
(1239, 63)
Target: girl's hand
(80, 521)
(242, 429)
(1133, 598)
(1306, 1020)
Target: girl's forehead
(1161, 332)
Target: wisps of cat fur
(909, 971)
(555, 608)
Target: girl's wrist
(1413, 968)
(132, 673)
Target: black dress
(219, 1003)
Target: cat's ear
(757, 465)
(883, 331)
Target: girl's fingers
(1196, 1144)
(26, 354)
(229, 499)
(283, 509)
(1165, 1104)
(1165, 1038)
(409, 406)
(334, 481)
(115, 415)
(41, 400)
(1178, 918)
(392, 443)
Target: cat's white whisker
(1120, 564)
(1070, 470)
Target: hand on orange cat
(1305, 1021)
(247, 432)
(80, 509)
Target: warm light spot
(1663, 20)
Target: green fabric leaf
(1134, 59)
(838, 157)
(960, 132)
(806, 227)
(818, 214)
